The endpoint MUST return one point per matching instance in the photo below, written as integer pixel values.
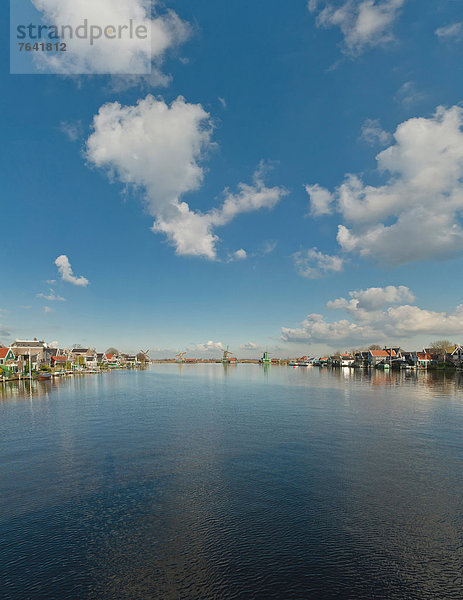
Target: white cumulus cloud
(66, 272)
(374, 298)
(240, 254)
(407, 320)
(376, 315)
(210, 346)
(416, 214)
(314, 328)
(364, 23)
(321, 200)
(160, 148)
(114, 51)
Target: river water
(206, 482)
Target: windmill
(145, 354)
(266, 360)
(227, 356)
(180, 356)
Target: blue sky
(275, 97)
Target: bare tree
(112, 351)
(442, 347)
(374, 347)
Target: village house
(347, 360)
(91, 359)
(24, 356)
(324, 360)
(8, 359)
(29, 354)
(376, 357)
(423, 359)
(361, 358)
(457, 355)
(76, 352)
(112, 360)
(101, 358)
(48, 353)
(79, 358)
(130, 359)
(409, 358)
(59, 362)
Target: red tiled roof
(382, 352)
(59, 358)
(109, 356)
(423, 356)
(3, 352)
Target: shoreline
(61, 374)
(283, 363)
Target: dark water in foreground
(200, 482)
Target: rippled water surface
(204, 482)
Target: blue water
(204, 482)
